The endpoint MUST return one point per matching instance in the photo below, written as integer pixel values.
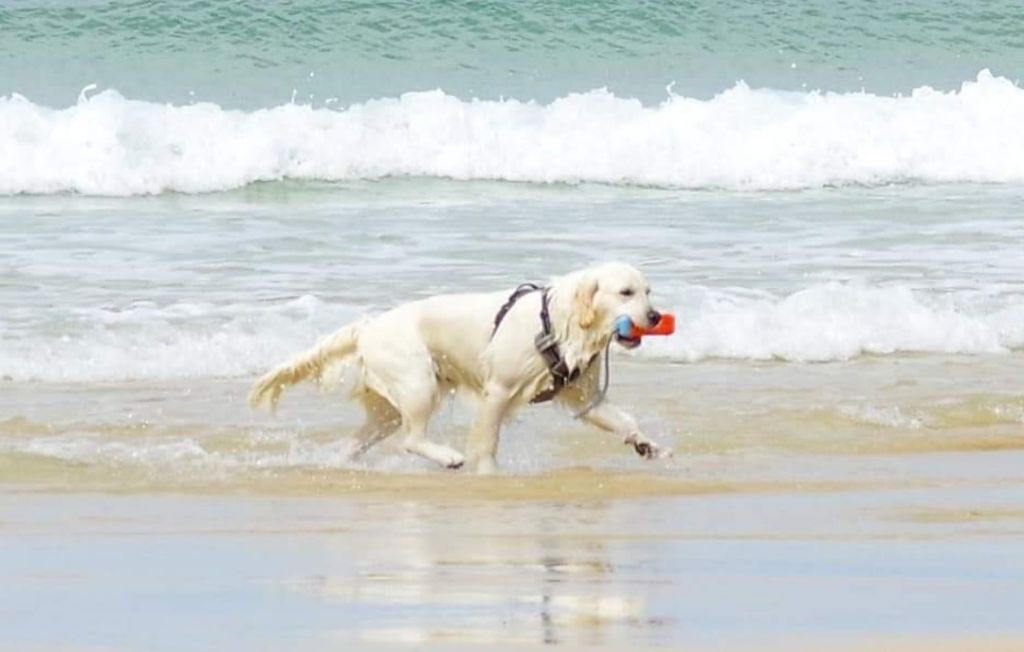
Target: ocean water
(251, 54)
(191, 192)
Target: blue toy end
(624, 326)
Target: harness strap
(519, 292)
(547, 345)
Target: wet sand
(783, 569)
(875, 503)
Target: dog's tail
(310, 365)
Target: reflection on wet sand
(699, 571)
(522, 580)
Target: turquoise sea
(251, 54)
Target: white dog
(508, 350)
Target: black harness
(547, 346)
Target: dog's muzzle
(627, 342)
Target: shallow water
(734, 426)
(224, 285)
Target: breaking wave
(741, 139)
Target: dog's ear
(583, 302)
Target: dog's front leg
(610, 418)
(483, 438)
(613, 419)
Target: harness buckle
(545, 342)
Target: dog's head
(607, 292)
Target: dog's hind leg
(415, 424)
(404, 372)
(416, 408)
(382, 419)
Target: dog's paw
(646, 448)
(454, 461)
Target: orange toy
(627, 329)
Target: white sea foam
(823, 322)
(743, 138)
(836, 321)
(182, 340)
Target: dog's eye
(628, 292)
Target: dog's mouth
(627, 342)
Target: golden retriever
(411, 355)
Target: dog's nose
(653, 317)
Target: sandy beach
(731, 570)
